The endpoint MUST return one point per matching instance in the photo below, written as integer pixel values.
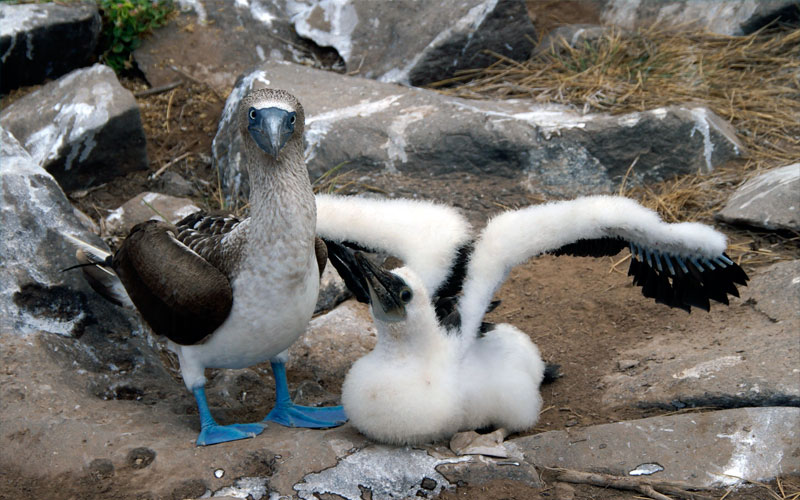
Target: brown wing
(203, 233)
(180, 294)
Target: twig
(652, 488)
(157, 90)
(169, 164)
(169, 107)
(622, 185)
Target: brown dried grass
(752, 81)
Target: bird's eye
(406, 296)
(252, 113)
(292, 119)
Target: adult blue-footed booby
(232, 293)
(438, 368)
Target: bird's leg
(212, 433)
(289, 414)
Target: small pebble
(428, 484)
(219, 473)
(627, 364)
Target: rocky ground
(707, 396)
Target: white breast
(274, 300)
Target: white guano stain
(340, 16)
(20, 18)
(758, 446)
(549, 119)
(318, 126)
(388, 472)
(701, 125)
(765, 184)
(395, 145)
(197, 7)
(260, 12)
(78, 118)
(707, 368)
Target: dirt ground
(581, 312)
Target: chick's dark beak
(385, 290)
(271, 128)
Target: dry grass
(752, 81)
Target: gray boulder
(84, 128)
(725, 367)
(41, 41)
(34, 294)
(53, 315)
(769, 201)
(376, 127)
(214, 41)
(719, 448)
(731, 17)
(413, 42)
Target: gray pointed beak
(271, 128)
(385, 290)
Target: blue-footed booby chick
(232, 293)
(438, 368)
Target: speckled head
(272, 118)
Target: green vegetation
(125, 22)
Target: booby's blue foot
(213, 433)
(293, 415)
(289, 414)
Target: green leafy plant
(125, 22)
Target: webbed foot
(292, 415)
(215, 434)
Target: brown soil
(581, 312)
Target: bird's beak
(271, 129)
(384, 290)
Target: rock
(332, 290)
(384, 472)
(736, 17)
(64, 348)
(416, 43)
(705, 449)
(776, 291)
(84, 128)
(333, 342)
(41, 41)
(723, 367)
(769, 201)
(214, 41)
(34, 294)
(627, 364)
(472, 443)
(174, 184)
(375, 127)
(146, 206)
(481, 469)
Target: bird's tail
(684, 258)
(96, 265)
